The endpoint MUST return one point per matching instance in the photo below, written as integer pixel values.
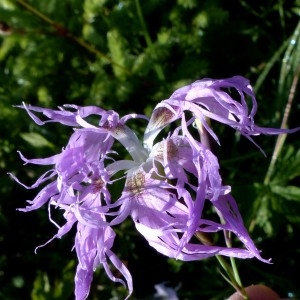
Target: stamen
(136, 183)
(98, 185)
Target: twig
(65, 32)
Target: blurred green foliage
(127, 55)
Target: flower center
(98, 185)
(136, 183)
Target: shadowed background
(127, 56)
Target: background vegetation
(128, 55)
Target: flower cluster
(169, 177)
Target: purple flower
(164, 292)
(207, 98)
(167, 180)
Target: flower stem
(281, 138)
(269, 65)
(234, 269)
(232, 279)
(231, 270)
(290, 65)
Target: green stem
(232, 277)
(281, 138)
(231, 270)
(287, 60)
(288, 46)
(68, 34)
(228, 241)
(269, 65)
(157, 67)
(235, 271)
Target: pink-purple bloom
(169, 177)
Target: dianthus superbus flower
(169, 177)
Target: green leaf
(288, 192)
(41, 287)
(117, 48)
(36, 140)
